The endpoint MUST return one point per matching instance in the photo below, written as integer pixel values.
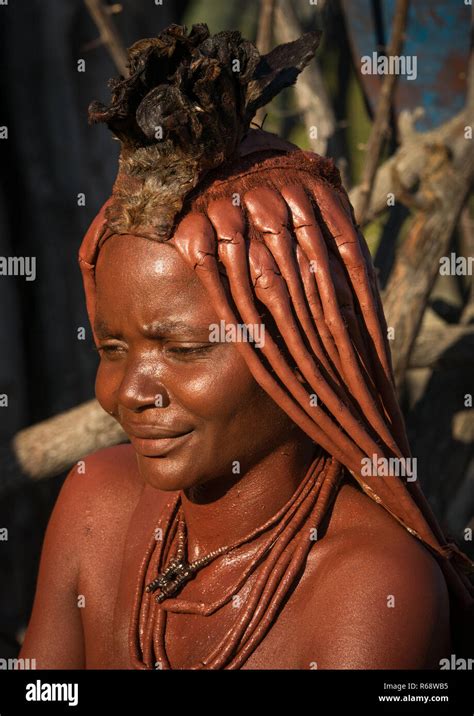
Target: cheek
(107, 383)
(224, 387)
(236, 405)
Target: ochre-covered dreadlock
(293, 246)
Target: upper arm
(382, 605)
(54, 635)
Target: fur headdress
(184, 109)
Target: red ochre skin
(338, 614)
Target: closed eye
(110, 349)
(182, 350)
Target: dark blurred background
(51, 156)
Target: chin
(167, 474)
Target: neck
(225, 509)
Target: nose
(142, 388)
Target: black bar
(413, 692)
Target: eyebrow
(156, 329)
(159, 329)
(101, 328)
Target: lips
(155, 441)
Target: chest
(189, 638)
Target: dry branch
(264, 40)
(265, 22)
(108, 34)
(310, 91)
(382, 115)
(54, 445)
(442, 345)
(401, 173)
(445, 183)
(442, 193)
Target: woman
(267, 513)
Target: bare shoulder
(94, 504)
(100, 490)
(380, 597)
(110, 467)
(111, 499)
(99, 495)
(81, 559)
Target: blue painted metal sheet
(437, 35)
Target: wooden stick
(402, 172)
(311, 95)
(381, 121)
(108, 34)
(54, 445)
(466, 246)
(264, 40)
(265, 21)
(443, 345)
(418, 260)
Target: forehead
(135, 273)
(125, 256)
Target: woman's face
(191, 407)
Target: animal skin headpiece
(269, 230)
